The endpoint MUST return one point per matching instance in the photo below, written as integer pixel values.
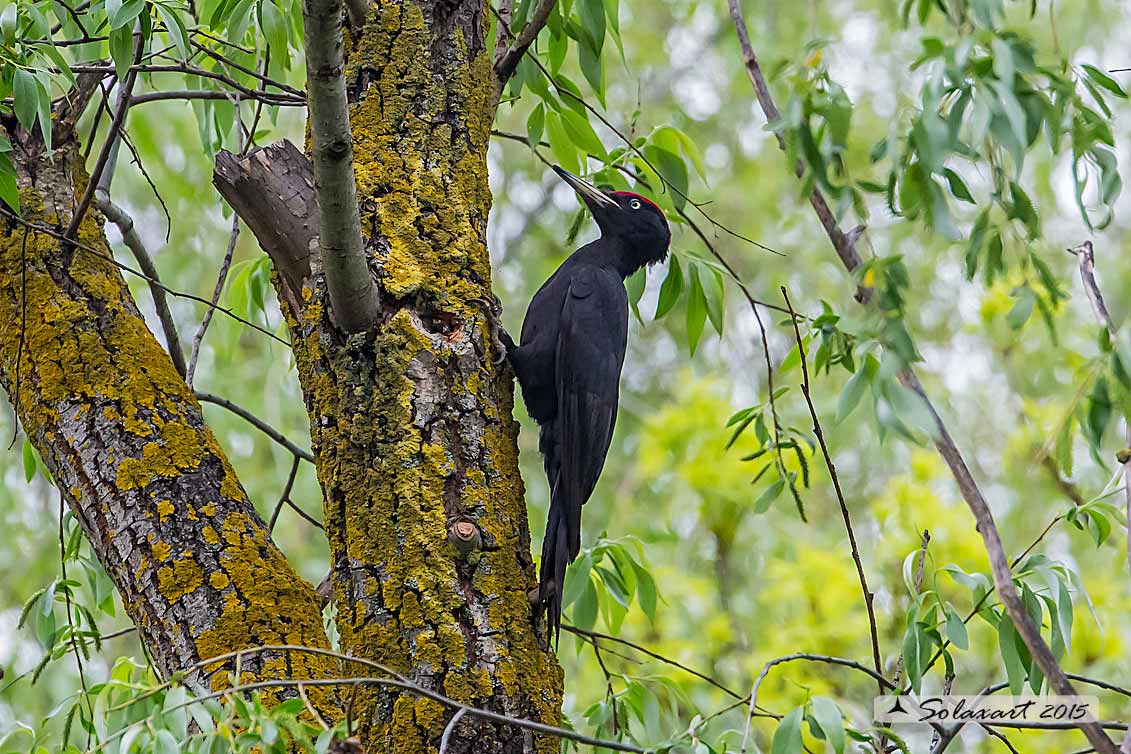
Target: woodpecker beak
(593, 197)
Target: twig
(70, 612)
(211, 94)
(133, 242)
(1087, 262)
(944, 443)
(262, 77)
(505, 65)
(217, 290)
(109, 146)
(354, 300)
(256, 422)
(654, 655)
(879, 678)
(49, 231)
(844, 513)
(406, 686)
(449, 728)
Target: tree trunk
(411, 424)
(128, 448)
(411, 421)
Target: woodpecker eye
(635, 204)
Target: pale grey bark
(354, 299)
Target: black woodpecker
(568, 364)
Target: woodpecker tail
(556, 557)
(563, 535)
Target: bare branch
(218, 289)
(258, 95)
(353, 292)
(50, 231)
(508, 61)
(256, 422)
(1087, 262)
(109, 147)
(944, 443)
(869, 597)
(132, 240)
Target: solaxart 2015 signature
(1035, 710)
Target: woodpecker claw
(492, 309)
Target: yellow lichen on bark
(123, 435)
(411, 424)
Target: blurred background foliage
(726, 576)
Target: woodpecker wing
(592, 336)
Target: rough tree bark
(411, 423)
(127, 445)
(410, 420)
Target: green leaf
(696, 311)
(831, 722)
(561, 144)
(766, 499)
(635, 285)
(646, 591)
(25, 91)
(274, 27)
(121, 50)
(787, 737)
(671, 288)
(582, 134)
(1022, 308)
(121, 14)
(673, 171)
(591, 18)
(584, 613)
(179, 34)
(956, 629)
(536, 125)
(1022, 209)
(1010, 657)
(593, 69)
(715, 290)
(30, 464)
(958, 186)
(1102, 79)
(855, 388)
(912, 650)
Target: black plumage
(569, 361)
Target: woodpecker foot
(501, 340)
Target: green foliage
(953, 132)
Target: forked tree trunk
(410, 423)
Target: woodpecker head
(634, 220)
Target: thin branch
(258, 95)
(1087, 262)
(449, 728)
(133, 242)
(191, 70)
(944, 443)
(218, 289)
(654, 655)
(844, 513)
(353, 293)
(261, 77)
(109, 146)
(256, 422)
(49, 231)
(285, 496)
(505, 65)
